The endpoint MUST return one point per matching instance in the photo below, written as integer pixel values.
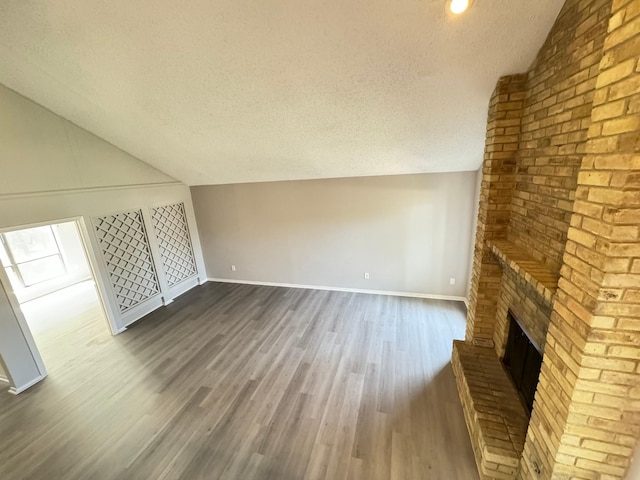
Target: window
(32, 255)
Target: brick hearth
(497, 420)
(558, 243)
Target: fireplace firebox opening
(523, 360)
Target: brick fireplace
(558, 245)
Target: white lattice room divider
(125, 248)
(174, 242)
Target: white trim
(44, 223)
(342, 289)
(4, 379)
(99, 276)
(143, 309)
(85, 190)
(23, 326)
(17, 390)
(183, 287)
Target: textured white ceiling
(226, 91)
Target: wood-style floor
(247, 382)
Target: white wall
(50, 171)
(73, 253)
(40, 152)
(412, 233)
(24, 210)
(3, 375)
(474, 227)
(16, 353)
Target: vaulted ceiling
(230, 91)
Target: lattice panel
(172, 231)
(126, 251)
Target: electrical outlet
(452, 281)
(366, 276)
(233, 268)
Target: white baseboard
(165, 301)
(182, 288)
(341, 289)
(22, 388)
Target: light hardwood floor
(247, 382)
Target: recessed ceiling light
(459, 6)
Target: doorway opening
(48, 270)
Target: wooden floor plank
(246, 382)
